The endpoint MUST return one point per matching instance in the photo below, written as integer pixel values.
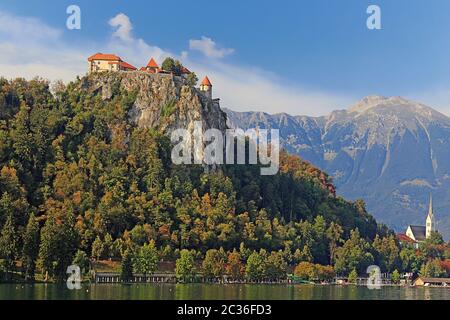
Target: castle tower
(430, 219)
(152, 66)
(206, 87)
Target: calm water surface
(213, 292)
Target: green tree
(255, 267)
(213, 265)
(185, 266)
(109, 246)
(433, 247)
(9, 244)
(395, 277)
(127, 266)
(98, 248)
(411, 259)
(30, 249)
(353, 276)
(81, 259)
(275, 266)
(192, 79)
(334, 234)
(353, 255)
(57, 245)
(138, 235)
(433, 268)
(387, 253)
(145, 260)
(168, 64)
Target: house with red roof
(404, 239)
(100, 62)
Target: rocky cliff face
(389, 151)
(163, 101)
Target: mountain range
(389, 151)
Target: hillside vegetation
(81, 178)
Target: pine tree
(30, 247)
(334, 234)
(57, 246)
(353, 276)
(395, 277)
(81, 259)
(127, 266)
(9, 244)
(97, 248)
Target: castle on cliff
(101, 62)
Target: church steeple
(430, 219)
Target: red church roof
(404, 238)
(152, 64)
(206, 82)
(104, 56)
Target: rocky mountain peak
(374, 101)
(390, 151)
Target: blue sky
(301, 57)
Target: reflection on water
(213, 292)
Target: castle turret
(430, 219)
(206, 87)
(152, 66)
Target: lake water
(216, 292)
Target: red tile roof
(152, 64)
(404, 238)
(123, 64)
(103, 56)
(185, 70)
(126, 65)
(206, 82)
(446, 265)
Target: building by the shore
(434, 282)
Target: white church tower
(430, 219)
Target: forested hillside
(368, 148)
(81, 178)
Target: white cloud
(209, 48)
(123, 27)
(239, 87)
(29, 48)
(26, 28)
(49, 55)
(134, 50)
(244, 88)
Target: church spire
(430, 219)
(430, 208)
